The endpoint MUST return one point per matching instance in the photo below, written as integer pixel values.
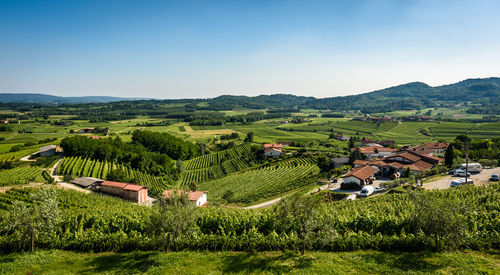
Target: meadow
(154, 262)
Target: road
(53, 170)
(479, 179)
(264, 204)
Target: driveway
(479, 179)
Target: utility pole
(466, 160)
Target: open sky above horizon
(185, 49)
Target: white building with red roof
(136, 193)
(199, 198)
(360, 176)
(273, 150)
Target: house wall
(202, 200)
(272, 154)
(48, 153)
(113, 190)
(352, 180)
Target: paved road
(479, 179)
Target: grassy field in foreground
(364, 262)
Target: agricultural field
(217, 165)
(20, 175)
(251, 186)
(85, 167)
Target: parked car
(378, 189)
(366, 191)
(459, 182)
(461, 173)
(494, 177)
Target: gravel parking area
(479, 179)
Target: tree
(449, 156)
(30, 222)
(355, 155)
(324, 163)
(407, 173)
(439, 219)
(193, 186)
(249, 137)
(171, 218)
(351, 143)
(300, 214)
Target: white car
(366, 191)
(458, 182)
(461, 173)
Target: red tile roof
(361, 173)
(194, 196)
(114, 184)
(436, 145)
(375, 149)
(133, 187)
(269, 145)
(273, 149)
(408, 156)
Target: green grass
(153, 262)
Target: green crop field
(217, 165)
(20, 175)
(81, 167)
(254, 185)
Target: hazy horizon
(199, 49)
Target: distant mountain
(50, 99)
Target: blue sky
(178, 49)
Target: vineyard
(20, 175)
(86, 167)
(217, 165)
(263, 183)
(381, 223)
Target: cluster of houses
(134, 192)
(374, 118)
(367, 117)
(391, 163)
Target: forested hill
(50, 99)
(480, 95)
(415, 95)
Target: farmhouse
(430, 148)
(341, 137)
(199, 198)
(87, 182)
(376, 151)
(136, 193)
(339, 162)
(47, 151)
(272, 150)
(86, 130)
(360, 176)
(395, 165)
(388, 143)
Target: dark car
(494, 177)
